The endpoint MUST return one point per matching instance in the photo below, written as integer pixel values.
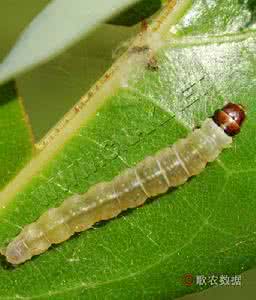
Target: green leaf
(217, 17)
(15, 135)
(206, 226)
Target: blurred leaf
(56, 85)
(138, 12)
(11, 18)
(59, 25)
(251, 4)
(205, 227)
(15, 136)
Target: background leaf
(15, 134)
(56, 86)
(8, 19)
(59, 25)
(138, 12)
(199, 228)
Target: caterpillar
(154, 175)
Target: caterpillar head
(230, 118)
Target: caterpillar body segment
(154, 175)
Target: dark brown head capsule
(230, 118)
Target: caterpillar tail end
(16, 252)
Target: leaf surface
(205, 227)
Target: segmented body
(154, 175)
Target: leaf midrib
(204, 40)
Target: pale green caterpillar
(154, 175)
